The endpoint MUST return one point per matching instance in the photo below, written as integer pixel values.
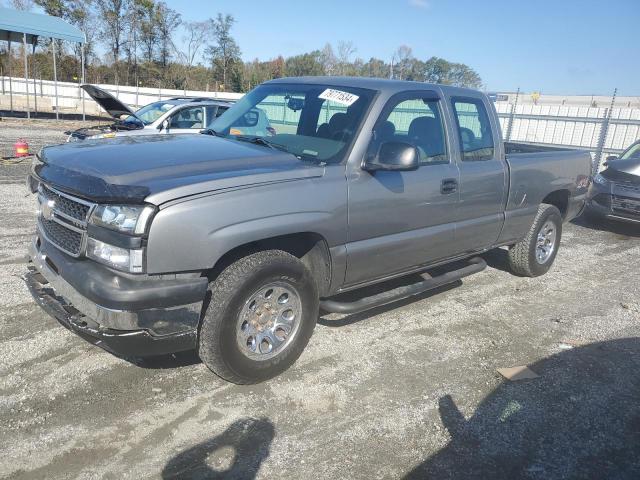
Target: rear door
(483, 174)
(399, 220)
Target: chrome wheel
(546, 242)
(269, 321)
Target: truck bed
(534, 171)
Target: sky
(555, 47)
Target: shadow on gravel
(624, 229)
(236, 453)
(580, 419)
(162, 362)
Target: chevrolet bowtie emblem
(47, 209)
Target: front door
(399, 220)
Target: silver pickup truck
(230, 244)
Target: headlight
(600, 180)
(123, 218)
(116, 257)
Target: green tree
(224, 52)
(305, 64)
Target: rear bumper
(91, 300)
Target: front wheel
(534, 255)
(261, 313)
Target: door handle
(448, 186)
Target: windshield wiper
(261, 141)
(211, 131)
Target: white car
(174, 115)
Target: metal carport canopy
(15, 23)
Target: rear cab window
(474, 129)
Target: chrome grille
(62, 237)
(65, 205)
(62, 219)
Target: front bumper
(606, 202)
(125, 314)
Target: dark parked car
(615, 191)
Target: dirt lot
(410, 389)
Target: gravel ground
(407, 390)
(37, 132)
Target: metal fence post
(511, 115)
(604, 129)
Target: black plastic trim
(475, 265)
(135, 343)
(121, 291)
(114, 238)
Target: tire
(242, 319)
(523, 256)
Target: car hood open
(160, 168)
(108, 102)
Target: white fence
(70, 95)
(575, 123)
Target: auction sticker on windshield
(338, 96)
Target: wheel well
(311, 248)
(559, 199)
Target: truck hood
(160, 168)
(108, 102)
(623, 170)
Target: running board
(475, 265)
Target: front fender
(195, 234)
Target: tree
(305, 64)
(112, 13)
(167, 21)
(225, 51)
(345, 51)
(402, 62)
(375, 68)
(329, 60)
(24, 5)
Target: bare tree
(402, 59)
(345, 51)
(24, 5)
(329, 60)
(195, 35)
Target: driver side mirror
(165, 125)
(394, 156)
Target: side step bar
(475, 265)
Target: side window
(474, 129)
(417, 121)
(190, 117)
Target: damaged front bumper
(118, 312)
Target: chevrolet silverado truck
(230, 244)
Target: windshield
(150, 113)
(316, 122)
(632, 152)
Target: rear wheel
(534, 255)
(261, 313)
